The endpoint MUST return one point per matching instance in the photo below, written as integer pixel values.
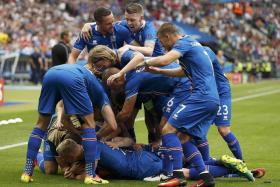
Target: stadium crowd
(246, 32)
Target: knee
(168, 129)
(184, 138)
(224, 130)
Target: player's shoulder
(187, 41)
(120, 26)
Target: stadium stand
(247, 32)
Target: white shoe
(156, 178)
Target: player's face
(103, 64)
(134, 21)
(107, 24)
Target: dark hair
(134, 8)
(101, 12)
(64, 33)
(167, 28)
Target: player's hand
(59, 125)
(153, 69)
(140, 65)
(113, 145)
(138, 147)
(112, 78)
(86, 31)
(155, 145)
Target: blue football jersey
(114, 40)
(147, 33)
(197, 64)
(222, 82)
(141, 82)
(95, 90)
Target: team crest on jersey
(94, 42)
(194, 44)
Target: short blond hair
(101, 52)
(167, 28)
(66, 147)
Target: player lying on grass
(137, 164)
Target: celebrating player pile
(127, 67)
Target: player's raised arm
(176, 72)
(133, 58)
(73, 56)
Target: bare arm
(121, 142)
(176, 72)
(132, 64)
(163, 60)
(109, 116)
(146, 50)
(73, 56)
(127, 109)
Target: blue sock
(193, 156)
(173, 144)
(213, 162)
(215, 171)
(234, 145)
(89, 145)
(33, 147)
(166, 161)
(41, 163)
(203, 148)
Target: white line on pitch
(12, 146)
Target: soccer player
(193, 117)
(117, 159)
(79, 90)
(104, 32)
(142, 32)
(222, 120)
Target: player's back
(92, 85)
(197, 64)
(222, 82)
(157, 84)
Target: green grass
(254, 121)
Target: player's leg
(193, 119)
(172, 158)
(222, 122)
(50, 164)
(203, 147)
(33, 146)
(89, 146)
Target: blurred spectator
(61, 50)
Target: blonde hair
(101, 52)
(66, 147)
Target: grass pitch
(255, 121)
